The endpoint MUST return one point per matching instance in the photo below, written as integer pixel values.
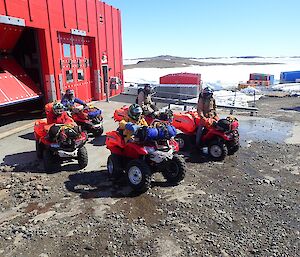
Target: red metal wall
(100, 22)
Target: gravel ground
(247, 205)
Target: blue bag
(151, 134)
(94, 114)
(171, 131)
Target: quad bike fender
(116, 144)
(39, 128)
(213, 133)
(134, 150)
(117, 150)
(114, 139)
(185, 122)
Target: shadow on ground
(98, 141)
(28, 162)
(297, 109)
(195, 156)
(97, 184)
(28, 136)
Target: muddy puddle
(262, 129)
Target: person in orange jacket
(206, 108)
(129, 125)
(57, 117)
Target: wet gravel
(247, 205)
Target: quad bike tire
(50, 162)
(234, 145)
(217, 150)
(233, 149)
(114, 166)
(139, 175)
(39, 149)
(183, 141)
(82, 157)
(175, 169)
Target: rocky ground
(247, 205)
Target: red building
(48, 46)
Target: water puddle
(262, 129)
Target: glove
(131, 127)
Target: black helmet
(70, 93)
(135, 111)
(207, 92)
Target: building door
(75, 65)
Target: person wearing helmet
(129, 125)
(144, 100)
(69, 99)
(57, 117)
(206, 108)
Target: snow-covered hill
(216, 75)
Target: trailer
(48, 46)
(289, 77)
(183, 78)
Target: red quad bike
(90, 123)
(140, 159)
(220, 137)
(66, 147)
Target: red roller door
(15, 85)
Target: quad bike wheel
(50, 162)
(39, 149)
(82, 157)
(114, 167)
(175, 169)
(233, 149)
(217, 150)
(183, 141)
(139, 175)
(234, 145)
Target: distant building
(261, 79)
(258, 79)
(290, 76)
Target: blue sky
(204, 28)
